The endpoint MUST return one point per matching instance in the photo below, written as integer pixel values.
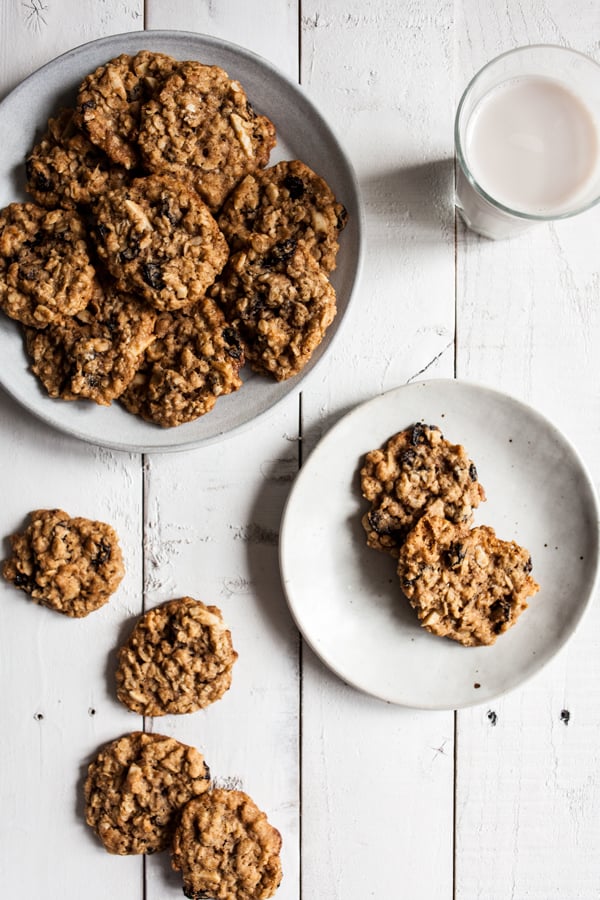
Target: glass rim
(518, 214)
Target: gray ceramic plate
(302, 133)
(346, 598)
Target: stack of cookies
(464, 583)
(160, 254)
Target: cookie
(465, 584)
(45, 268)
(416, 472)
(136, 787)
(159, 240)
(94, 354)
(282, 304)
(226, 849)
(178, 659)
(201, 128)
(110, 99)
(195, 359)
(65, 169)
(288, 201)
(71, 565)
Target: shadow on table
(420, 196)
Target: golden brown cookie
(159, 240)
(71, 565)
(178, 659)
(94, 354)
(282, 304)
(416, 472)
(465, 584)
(194, 359)
(226, 849)
(136, 787)
(110, 99)
(45, 268)
(65, 169)
(288, 201)
(201, 128)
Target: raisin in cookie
(71, 565)
(465, 584)
(226, 849)
(159, 240)
(178, 659)
(45, 269)
(136, 787)
(416, 472)
(65, 169)
(201, 128)
(286, 201)
(195, 359)
(282, 303)
(94, 354)
(110, 99)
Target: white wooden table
(498, 802)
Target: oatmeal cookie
(416, 472)
(94, 354)
(465, 584)
(45, 269)
(226, 849)
(201, 128)
(286, 201)
(110, 99)
(195, 358)
(65, 169)
(71, 565)
(282, 303)
(159, 240)
(178, 659)
(136, 787)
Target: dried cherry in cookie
(282, 304)
(226, 849)
(45, 268)
(417, 471)
(159, 240)
(195, 359)
(94, 354)
(285, 202)
(71, 565)
(110, 99)
(136, 787)
(178, 659)
(465, 584)
(201, 128)
(65, 169)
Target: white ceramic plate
(346, 599)
(302, 133)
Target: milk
(532, 145)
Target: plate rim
(302, 379)
(584, 607)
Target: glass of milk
(527, 137)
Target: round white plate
(346, 598)
(302, 133)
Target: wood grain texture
(528, 797)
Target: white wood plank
(268, 28)
(212, 520)
(378, 780)
(32, 32)
(528, 797)
(57, 704)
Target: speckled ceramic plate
(302, 133)
(346, 598)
